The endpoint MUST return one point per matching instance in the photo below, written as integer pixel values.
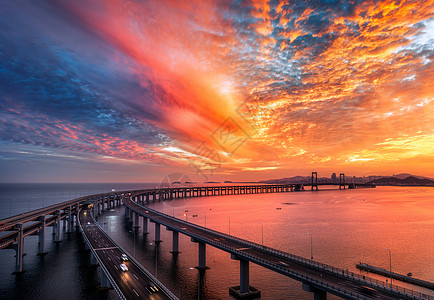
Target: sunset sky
(130, 91)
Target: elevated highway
(315, 277)
(136, 282)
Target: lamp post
(390, 265)
(311, 251)
(262, 227)
(229, 224)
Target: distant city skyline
(125, 91)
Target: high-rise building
(334, 178)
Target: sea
(336, 227)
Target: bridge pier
(41, 236)
(145, 225)
(131, 216)
(202, 254)
(175, 241)
(244, 290)
(136, 220)
(69, 219)
(57, 228)
(317, 293)
(19, 248)
(157, 233)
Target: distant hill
(410, 180)
(406, 175)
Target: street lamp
(262, 227)
(311, 252)
(390, 265)
(229, 224)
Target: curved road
(134, 283)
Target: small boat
(409, 274)
(278, 208)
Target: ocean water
(346, 226)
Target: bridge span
(315, 277)
(136, 282)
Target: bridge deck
(333, 280)
(134, 283)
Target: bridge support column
(202, 254)
(157, 233)
(317, 293)
(145, 225)
(19, 247)
(57, 226)
(175, 241)
(244, 290)
(136, 220)
(131, 216)
(41, 235)
(70, 221)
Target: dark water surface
(346, 226)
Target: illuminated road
(134, 283)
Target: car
(152, 288)
(124, 257)
(124, 267)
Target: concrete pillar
(98, 204)
(175, 242)
(42, 235)
(19, 247)
(244, 276)
(131, 218)
(136, 220)
(57, 225)
(70, 219)
(202, 256)
(145, 225)
(317, 293)
(157, 232)
(64, 224)
(127, 212)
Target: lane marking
(109, 258)
(136, 292)
(135, 276)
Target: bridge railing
(320, 266)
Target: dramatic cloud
(220, 87)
